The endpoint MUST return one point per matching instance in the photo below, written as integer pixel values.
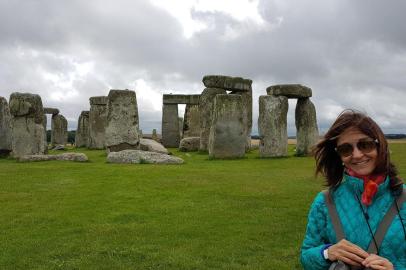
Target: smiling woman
(363, 185)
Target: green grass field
(205, 214)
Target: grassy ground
(205, 214)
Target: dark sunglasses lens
(366, 146)
(344, 150)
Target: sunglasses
(365, 146)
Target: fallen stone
(189, 144)
(289, 90)
(78, 157)
(227, 83)
(152, 146)
(142, 157)
(59, 147)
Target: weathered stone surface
(82, 131)
(155, 135)
(191, 121)
(5, 127)
(97, 122)
(78, 157)
(227, 133)
(170, 125)
(272, 126)
(289, 90)
(59, 147)
(306, 126)
(122, 121)
(51, 110)
(44, 123)
(59, 130)
(181, 99)
(28, 133)
(227, 83)
(247, 116)
(142, 157)
(206, 111)
(152, 146)
(189, 144)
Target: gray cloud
(352, 54)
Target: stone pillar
(272, 126)
(306, 126)
(97, 122)
(28, 133)
(155, 135)
(180, 121)
(247, 114)
(227, 133)
(205, 112)
(82, 131)
(59, 133)
(191, 121)
(170, 125)
(45, 128)
(122, 130)
(5, 127)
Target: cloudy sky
(351, 53)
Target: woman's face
(361, 162)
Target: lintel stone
(52, 111)
(289, 90)
(228, 83)
(181, 99)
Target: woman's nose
(356, 153)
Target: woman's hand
(377, 262)
(348, 252)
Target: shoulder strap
(385, 223)
(335, 220)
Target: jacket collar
(357, 185)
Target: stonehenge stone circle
(5, 127)
(97, 122)
(227, 133)
(82, 131)
(206, 107)
(191, 121)
(227, 83)
(189, 144)
(272, 126)
(122, 129)
(306, 126)
(28, 133)
(59, 130)
(289, 90)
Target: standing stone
(191, 121)
(206, 111)
(82, 131)
(122, 130)
(44, 123)
(272, 126)
(170, 125)
(306, 126)
(247, 115)
(227, 133)
(28, 133)
(5, 127)
(59, 127)
(180, 120)
(97, 122)
(155, 135)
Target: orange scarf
(371, 183)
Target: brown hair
(328, 162)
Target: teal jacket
(320, 229)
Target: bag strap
(382, 227)
(335, 219)
(385, 223)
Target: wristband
(324, 251)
